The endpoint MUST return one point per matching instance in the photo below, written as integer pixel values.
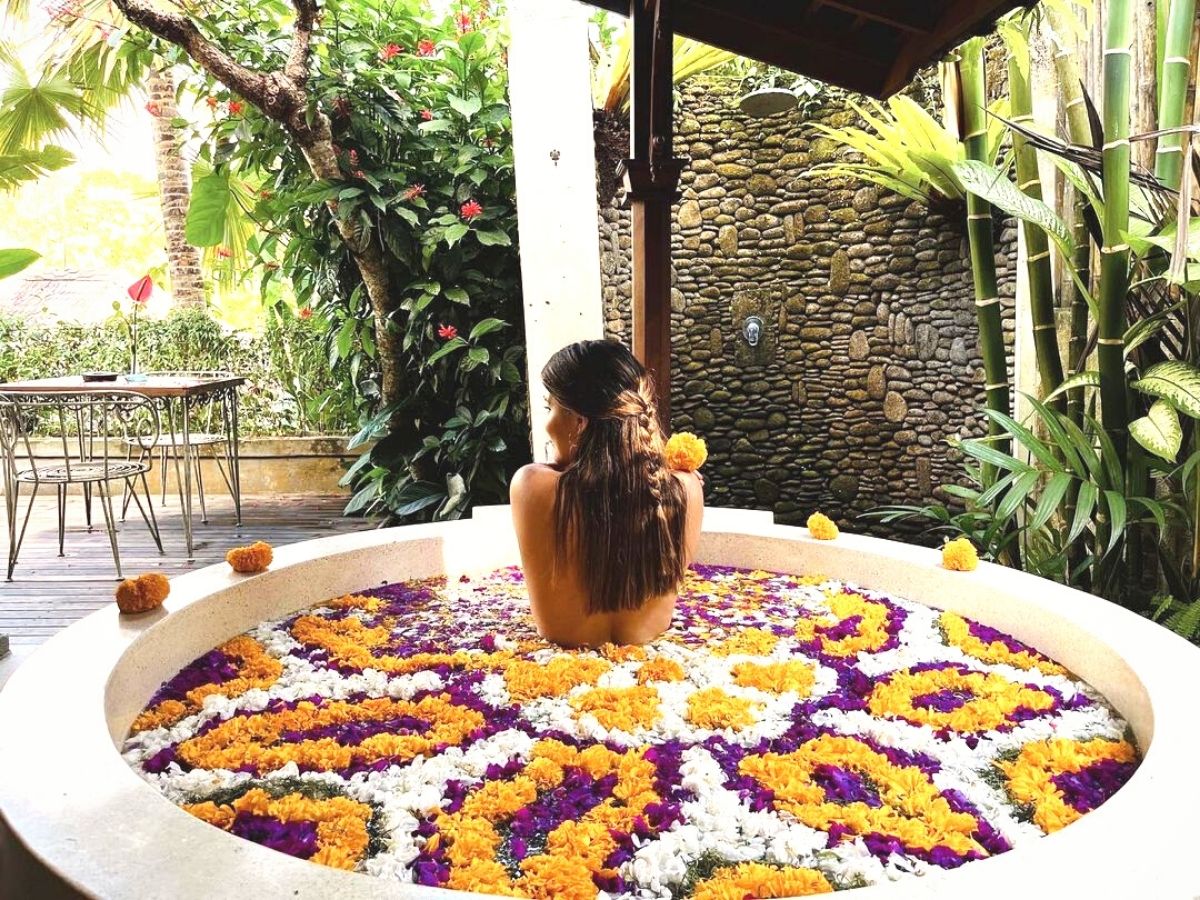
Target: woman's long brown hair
(617, 506)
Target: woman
(606, 530)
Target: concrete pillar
(550, 92)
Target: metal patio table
(173, 394)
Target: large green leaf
(1175, 381)
(465, 107)
(1078, 380)
(14, 260)
(1159, 430)
(209, 209)
(992, 185)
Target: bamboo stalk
(1176, 73)
(979, 232)
(1070, 88)
(1037, 245)
(1114, 255)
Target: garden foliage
(422, 137)
(289, 390)
(1101, 492)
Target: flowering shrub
(422, 138)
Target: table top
(153, 386)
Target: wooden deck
(49, 592)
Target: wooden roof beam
(913, 18)
(808, 50)
(961, 20)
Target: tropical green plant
(420, 135)
(907, 150)
(611, 74)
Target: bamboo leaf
(1084, 504)
(1176, 381)
(1026, 438)
(992, 456)
(1052, 495)
(1159, 430)
(1022, 487)
(1062, 441)
(1116, 514)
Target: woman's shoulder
(532, 480)
(693, 482)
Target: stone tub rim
(109, 834)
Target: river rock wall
(867, 358)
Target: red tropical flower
(140, 290)
(153, 108)
(212, 102)
(447, 332)
(426, 47)
(353, 157)
(390, 51)
(224, 252)
(414, 192)
(470, 210)
(236, 107)
(305, 312)
(464, 22)
(427, 115)
(358, 173)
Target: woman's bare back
(560, 600)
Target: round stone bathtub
(83, 812)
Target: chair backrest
(203, 421)
(84, 424)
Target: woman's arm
(693, 485)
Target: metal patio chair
(208, 426)
(85, 425)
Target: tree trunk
(282, 96)
(317, 146)
(183, 260)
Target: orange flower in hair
(685, 452)
(142, 594)
(252, 559)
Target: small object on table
(99, 376)
(250, 560)
(144, 593)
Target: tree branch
(263, 90)
(296, 69)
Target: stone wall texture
(868, 358)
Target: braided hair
(617, 505)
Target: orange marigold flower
(959, 555)
(142, 594)
(685, 452)
(248, 560)
(821, 527)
